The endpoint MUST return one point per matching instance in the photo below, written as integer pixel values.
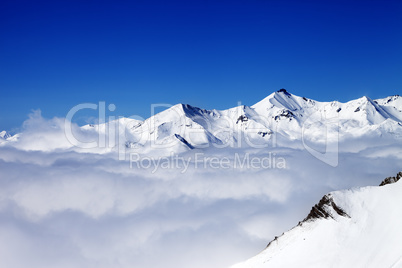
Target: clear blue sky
(211, 54)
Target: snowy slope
(351, 228)
(281, 119)
(392, 105)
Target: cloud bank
(63, 208)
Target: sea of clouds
(67, 208)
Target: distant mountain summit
(4, 135)
(351, 228)
(280, 119)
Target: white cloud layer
(63, 208)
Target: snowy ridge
(350, 228)
(281, 119)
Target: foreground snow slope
(351, 228)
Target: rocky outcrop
(286, 114)
(325, 209)
(390, 180)
(242, 118)
(184, 141)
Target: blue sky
(211, 54)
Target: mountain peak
(4, 135)
(284, 91)
(180, 109)
(362, 100)
(281, 99)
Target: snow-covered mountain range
(281, 119)
(103, 212)
(350, 228)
